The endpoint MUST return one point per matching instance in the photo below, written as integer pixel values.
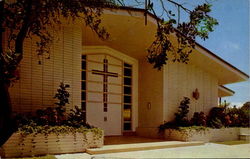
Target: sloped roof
(130, 35)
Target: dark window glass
(84, 57)
(126, 106)
(127, 99)
(127, 90)
(83, 95)
(105, 109)
(83, 75)
(84, 106)
(127, 72)
(84, 65)
(127, 126)
(84, 85)
(127, 81)
(127, 65)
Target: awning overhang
(130, 35)
(224, 91)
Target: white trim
(220, 88)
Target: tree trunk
(7, 126)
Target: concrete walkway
(208, 150)
(115, 140)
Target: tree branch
(23, 32)
(180, 5)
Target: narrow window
(127, 97)
(83, 86)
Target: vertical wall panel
(182, 80)
(39, 83)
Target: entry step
(245, 137)
(141, 146)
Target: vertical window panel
(83, 86)
(127, 97)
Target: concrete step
(245, 137)
(141, 146)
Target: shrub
(77, 118)
(181, 118)
(199, 119)
(216, 117)
(216, 123)
(54, 116)
(239, 116)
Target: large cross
(105, 75)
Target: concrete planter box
(41, 144)
(210, 135)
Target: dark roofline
(227, 89)
(210, 52)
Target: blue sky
(230, 39)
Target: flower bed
(41, 144)
(206, 135)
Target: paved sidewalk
(208, 150)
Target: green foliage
(57, 115)
(199, 25)
(63, 129)
(246, 106)
(76, 118)
(216, 123)
(54, 119)
(191, 128)
(199, 119)
(229, 117)
(240, 117)
(28, 18)
(50, 116)
(181, 118)
(216, 117)
(168, 125)
(62, 95)
(63, 98)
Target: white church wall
(150, 96)
(39, 83)
(181, 80)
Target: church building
(112, 81)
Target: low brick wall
(40, 144)
(210, 135)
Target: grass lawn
(237, 142)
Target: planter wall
(214, 135)
(40, 144)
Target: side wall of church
(39, 82)
(150, 95)
(181, 80)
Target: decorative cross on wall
(105, 75)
